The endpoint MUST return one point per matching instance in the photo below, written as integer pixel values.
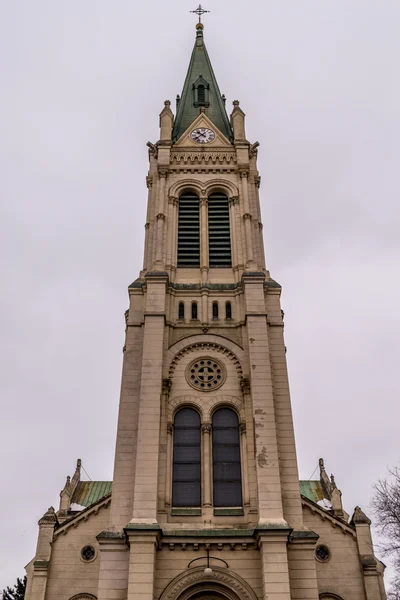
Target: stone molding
(218, 156)
(205, 343)
(83, 516)
(206, 406)
(323, 514)
(84, 597)
(192, 581)
(200, 188)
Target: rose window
(205, 374)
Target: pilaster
(114, 565)
(142, 556)
(267, 458)
(302, 569)
(274, 563)
(148, 434)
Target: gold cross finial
(199, 11)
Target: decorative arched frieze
(203, 189)
(84, 597)
(206, 406)
(182, 401)
(204, 343)
(188, 184)
(329, 596)
(222, 581)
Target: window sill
(228, 512)
(185, 512)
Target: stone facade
(288, 539)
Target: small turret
(67, 492)
(166, 123)
(238, 122)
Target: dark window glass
(194, 310)
(228, 310)
(189, 231)
(215, 310)
(227, 477)
(181, 310)
(219, 234)
(186, 476)
(201, 95)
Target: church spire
(200, 92)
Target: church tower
(206, 501)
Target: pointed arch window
(227, 475)
(186, 474)
(189, 230)
(219, 231)
(201, 92)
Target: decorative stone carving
(206, 428)
(206, 374)
(149, 181)
(192, 157)
(234, 586)
(245, 384)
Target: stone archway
(193, 584)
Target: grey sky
(82, 86)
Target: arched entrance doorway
(193, 584)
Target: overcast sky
(82, 85)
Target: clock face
(202, 135)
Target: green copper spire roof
(201, 73)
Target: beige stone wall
(342, 574)
(68, 573)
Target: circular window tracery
(205, 374)
(88, 553)
(322, 553)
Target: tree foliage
(17, 592)
(386, 506)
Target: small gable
(202, 133)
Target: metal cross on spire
(200, 11)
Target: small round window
(88, 553)
(205, 374)
(322, 553)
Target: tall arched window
(228, 310)
(189, 230)
(186, 476)
(227, 476)
(181, 310)
(194, 310)
(219, 232)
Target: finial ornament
(199, 11)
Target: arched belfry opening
(219, 231)
(188, 230)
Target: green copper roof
(89, 492)
(200, 68)
(312, 490)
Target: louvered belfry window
(186, 477)
(219, 234)
(189, 230)
(227, 477)
(201, 95)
